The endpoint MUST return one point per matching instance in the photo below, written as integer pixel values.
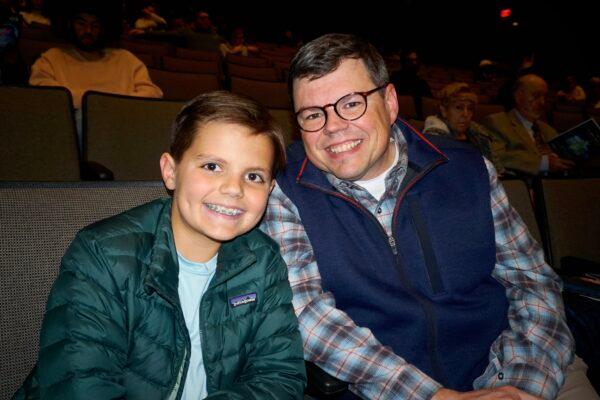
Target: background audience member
(237, 44)
(202, 33)
(521, 133)
(594, 98)
(149, 20)
(203, 23)
(573, 92)
(33, 13)
(12, 67)
(88, 63)
(407, 80)
(455, 119)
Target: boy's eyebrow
(259, 169)
(211, 156)
(215, 158)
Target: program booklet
(580, 143)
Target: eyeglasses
(350, 107)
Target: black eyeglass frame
(364, 95)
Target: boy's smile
(221, 187)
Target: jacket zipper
(177, 389)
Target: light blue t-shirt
(194, 279)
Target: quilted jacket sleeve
(83, 339)
(275, 365)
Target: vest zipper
(392, 243)
(424, 303)
(422, 300)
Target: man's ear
(518, 97)
(391, 102)
(168, 170)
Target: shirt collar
(394, 176)
(526, 123)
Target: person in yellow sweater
(88, 64)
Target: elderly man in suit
(522, 135)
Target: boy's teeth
(344, 146)
(224, 210)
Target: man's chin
(89, 47)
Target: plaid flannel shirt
(532, 355)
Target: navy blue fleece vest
(428, 291)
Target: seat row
(39, 220)
(122, 136)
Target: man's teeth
(224, 210)
(340, 148)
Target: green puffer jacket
(114, 328)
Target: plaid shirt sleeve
(534, 354)
(331, 339)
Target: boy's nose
(232, 186)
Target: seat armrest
(93, 171)
(322, 385)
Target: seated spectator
(594, 99)
(148, 21)
(573, 92)
(455, 119)
(202, 34)
(181, 298)
(521, 133)
(407, 81)
(203, 23)
(88, 64)
(12, 67)
(237, 44)
(33, 13)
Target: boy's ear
(168, 170)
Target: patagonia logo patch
(242, 299)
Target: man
(413, 277)
(522, 135)
(87, 64)
(203, 34)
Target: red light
(505, 13)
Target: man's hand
(501, 393)
(555, 163)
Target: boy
(181, 298)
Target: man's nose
(334, 122)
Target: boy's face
(221, 186)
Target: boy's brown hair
(226, 107)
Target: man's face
(350, 150)
(203, 20)
(530, 99)
(87, 29)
